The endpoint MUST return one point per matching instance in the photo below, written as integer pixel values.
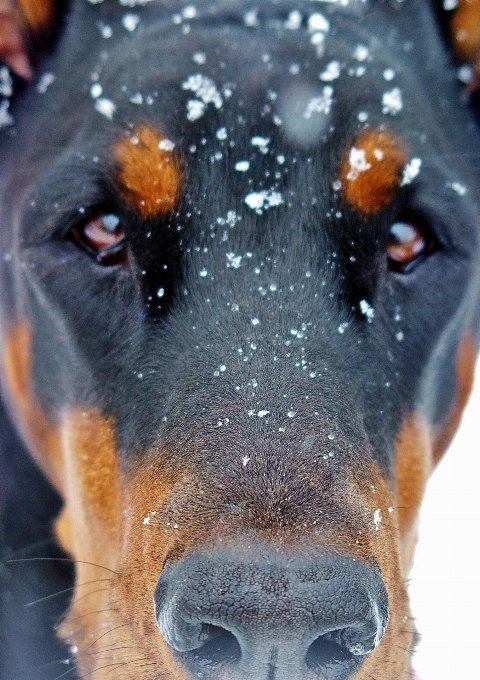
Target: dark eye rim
(114, 255)
(432, 243)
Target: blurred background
(445, 579)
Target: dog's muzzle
(239, 616)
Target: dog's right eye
(103, 237)
(409, 243)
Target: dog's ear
(27, 28)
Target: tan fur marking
(123, 604)
(465, 30)
(78, 454)
(413, 465)
(38, 14)
(92, 486)
(149, 177)
(37, 430)
(372, 170)
(12, 47)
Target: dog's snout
(243, 617)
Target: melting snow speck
(367, 310)
(392, 102)
(106, 107)
(148, 517)
(321, 104)
(411, 170)
(203, 273)
(361, 53)
(460, 189)
(294, 21)
(5, 118)
(199, 58)
(233, 261)
(106, 31)
(358, 163)
(261, 142)
(206, 92)
(255, 321)
(130, 21)
(317, 22)
(242, 166)
(6, 82)
(129, 3)
(250, 18)
(331, 72)
(195, 109)
(377, 518)
(45, 81)
(245, 461)
(96, 90)
(166, 145)
(263, 200)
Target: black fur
(104, 338)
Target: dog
(240, 309)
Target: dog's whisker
(98, 611)
(62, 559)
(75, 601)
(65, 590)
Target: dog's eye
(103, 237)
(408, 244)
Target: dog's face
(240, 282)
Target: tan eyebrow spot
(372, 170)
(148, 173)
(38, 14)
(465, 29)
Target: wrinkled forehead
(290, 67)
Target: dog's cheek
(386, 546)
(90, 524)
(38, 433)
(413, 464)
(464, 376)
(420, 446)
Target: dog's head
(240, 284)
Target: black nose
(241, 616)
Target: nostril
(327, 656)
(338, 652)
(220, 647)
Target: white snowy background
(445, 580)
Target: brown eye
(408, 244)
(103, 237)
